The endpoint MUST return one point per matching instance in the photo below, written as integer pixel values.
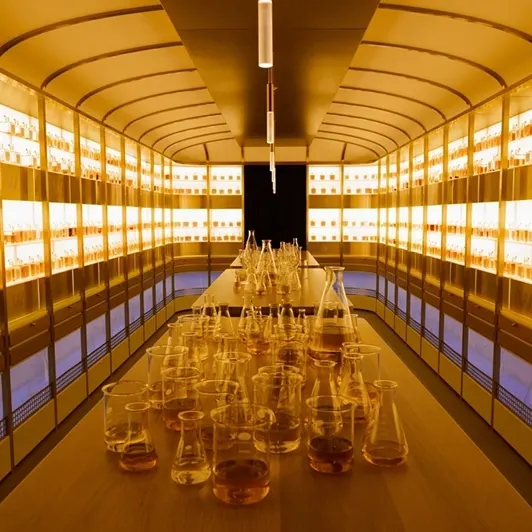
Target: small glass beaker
(138, 453)
(190, 464)
(369, 365)
(179, 394)
(234, 367)
(281, 393)
(175, 329)
(241, 473)
(330, 433)
(291, 352)
(257, 342)
(385, 441)
(159, 357)
(213, 394)
(116, 396)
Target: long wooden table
(447, 485)
(223, 289)
(307, 261)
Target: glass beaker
(227, 343)
(179, 394)
(325, 383)
(290, 351)
(333, 324)
(116, 396)
(257, 342)
(384, 441)
(234, 367)
(159, 357)
(175, 330)
(138, 453)
(281, 393)
(213, 394)
(369, 366)
(224, 324)
(330, 433)
(354, 388)
(241, 473)
(190, 464)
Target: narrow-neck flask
(325, 383)
(384, 441)
(190, 464)
(251, 242)
(208, 315)
(267, 261)
(333, 324)
(138, 453)
(287, 315)
(223, 323)
(247, 306)
(197, 350)
(353, 387)
(302, 320)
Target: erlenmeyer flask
(190, 464)
(227, 343)
(325, 383)
(264, 283)
(223, 323)
(302, 320)
(138, 453)
(267, 261)
(233, 367)
(208, 315)
(385, 441)
(287, 317)
(356, 329)
(272, 320)
(246, 307)
(353, 387)
(294, 242)
(333, 324)
(251, 283)
(251, 243)
(197, 350)
(293, 281)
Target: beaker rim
(335, 268)
(109, 388)
(138, 406)
(233, 355)
(191, 415)
(364, 349)
(324, 363)
(215, 391)
(385, 384)
(339, 402)
(181, 372)
(259, 416)
(166, 350)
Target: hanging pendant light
(270, 127)
(265, 33)
(272, 158)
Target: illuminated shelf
(226, 180)
(324, 180)
(487, 149)
(190, 225)
(361, 180)
(189, 180)
(226, 225)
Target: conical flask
(353, 387)
(264, 283)
(190, 464)
(247, 306)
(384, 440)
(271, 321)
(333, 324)
(197, 351)
(325, 383)
(223, 324)
(302, 320)
(267, 261)
(226, 343)
(251, 243)
(208, 315)
(287, 318)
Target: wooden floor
(448, 484)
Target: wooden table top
(447, 485)
(312, 283)
(307, 261)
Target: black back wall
(279, 217)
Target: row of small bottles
(359, 223)
(15, 234)
(481, 259)
(23, 130)
(359, 238)
(519, 232)
(61, 165)
(18, 270)
(9, 155)
(68, 230)
(360, 190)
(325, 237)
(68, 260)
(520, 267)
(59, 143)
(231, 237)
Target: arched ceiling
(422, 62)
(416, 64)
(119, 61)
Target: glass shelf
(132, 176)
(157, 175)
(518, 241)
(133, 230)
(190, 225)
(19, 138)
(147, 223)
(24, 245)
(60, 138)
(324, 225)
(90, 150)
(402, 236)
(167, 176)
(158, 227)
(392, 176)
(226, 225)
(416, 244)
(404, 173)
(189, 180)
(360, 225)
(64, 236)
(145, 169)
(487, 139)
(392, 227)
(456, 233)
(226, 180)
(361, 179)
(115, 231)
(113, 158)
(418, 164)
(324, 180)
(93, 244)
(485, 228)
(383, 224)
(433, 229)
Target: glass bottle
(138, 453)
(302, 320)
(287, 317)
(223, 324)
(267, 261)
(353, 387)
(325, 383)
(251, 242)
(333, 324)
(384, 441)
(190, 465)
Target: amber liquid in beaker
(138, 457)
(207, 437)
(172, 409)
(115, 437)
(329, 344)
(155, 395)
(285, 433)
(241, 481)
(330, 455)
(257, 346)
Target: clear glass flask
(267, 261)
(302, 320)
(197, 350)
(325, 383)
(384, 441)
(138, 453)
(246, 308)
(241, 473)
(251, 242)
(190, 464)
(257, 341)
(234, 367)
(223, 324)
(333, 324)
(353, 387)
(227, 343)
(208, 316)
(179, 394)
(287, 315)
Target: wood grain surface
(311, 262)
(447, 485)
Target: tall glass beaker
(333, 324)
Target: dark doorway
(279, 217)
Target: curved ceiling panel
(224, 151)
(438, 97)
(194, 155)
(325, 151)
(386, 142)
(370, 153)
(141, 124)
(39, 58)
(353, 154)
(352, 136)
(24, 16)
(198, 140)
(173, 125)
(109, 95)
(136, 108)
(176, 138)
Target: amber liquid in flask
(241, 481)
(330, 454)
(174, 407)
(138, 457)
(329, 345)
